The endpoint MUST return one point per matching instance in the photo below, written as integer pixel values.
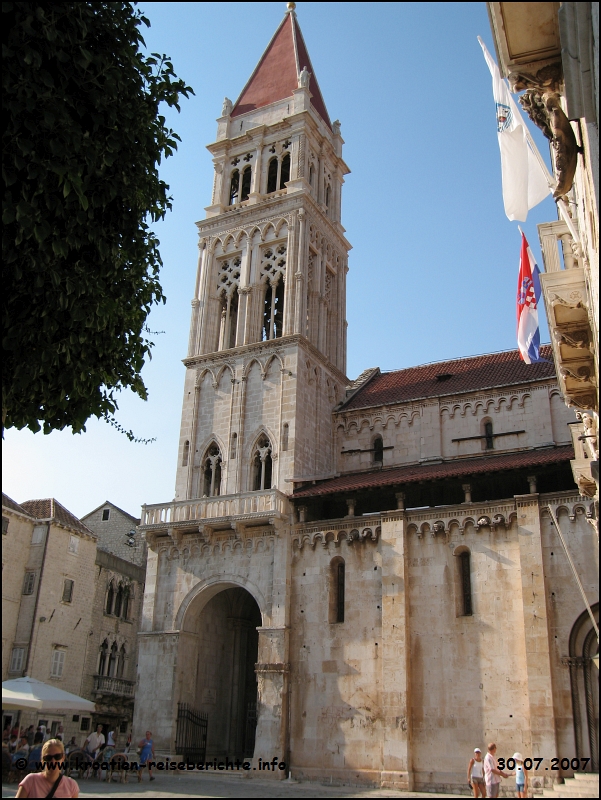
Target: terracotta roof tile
(49, 508)
(8, 502)
(430, 472)
(276, 75)
(471, 374)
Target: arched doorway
(584, 683)
(225, 629)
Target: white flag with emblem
(524, 182)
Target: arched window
(118, 601)
(466, 583)
(262, 465)
(272, 176)
(246, 182)
(122, 657)
(125, 606)
(234, 187)
(273, 311)
(378, 450)
(488, 438)
(186, 454)
(113, 659)
(211, 465)
(311, 175)
(285, 431)
(102, 657)
(327, 198)
(337, 587)
(285, 171)
(110, 596)
(234, 445)
(227, 290)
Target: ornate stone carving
(304, 78)
(547, 114)
(548, 79)
(226, 110)
(336, 127)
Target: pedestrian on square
(146, 750)
(492, 773)
(50, 782)
(30, 733)
(94, 742)
(475, 774)
(521, 776)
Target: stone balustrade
(120, 687)
(247, 505)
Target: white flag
(525, 184)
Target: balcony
(568, 307)
(118, 687)
(250, 508)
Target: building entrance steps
(583, 784)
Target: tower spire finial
(290, 7)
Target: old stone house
(353, 576)
(71, 607)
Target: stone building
(111, 660)
(556, 66)
(71, 605)
(360, 578)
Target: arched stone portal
(221, 637)
(584, 682)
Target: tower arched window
(110, 597)
(125, 604)
(186, 454)
(311, 175)
(273, 311)
(234, 446)
(285, 171)
(246, 183)
(262, 465)
(327, 198)
(234, 187)
(211, 472)
(378, 450)
(227, 291)
(272, 176)
(102, 658)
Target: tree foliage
(82, 143)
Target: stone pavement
(199, 785)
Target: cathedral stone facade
(362, 579)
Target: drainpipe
(31, 648)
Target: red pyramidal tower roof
(276, 75)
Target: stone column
(396, 760)
(299, 304)
(467, 492)
(536, 631)
(291, 268)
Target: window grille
(58, 663)
(73, 544)
(466, 583)
(16, 659)
(67, 591)
(29, 583)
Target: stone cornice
(274, 346)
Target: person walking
(475, 774)
(492, 773)
(146, 750)
(50, 782)
(521, 776)
(94, 742)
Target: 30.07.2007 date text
(577, 764)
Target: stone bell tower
(267, 350)
(264, 370)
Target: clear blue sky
(433, 269)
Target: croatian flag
(527, 306)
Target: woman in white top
(475, 774)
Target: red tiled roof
(49, 508)
(276, 75)
(465, 375)
(8, 502)
(431, 472)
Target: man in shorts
(492, 773)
